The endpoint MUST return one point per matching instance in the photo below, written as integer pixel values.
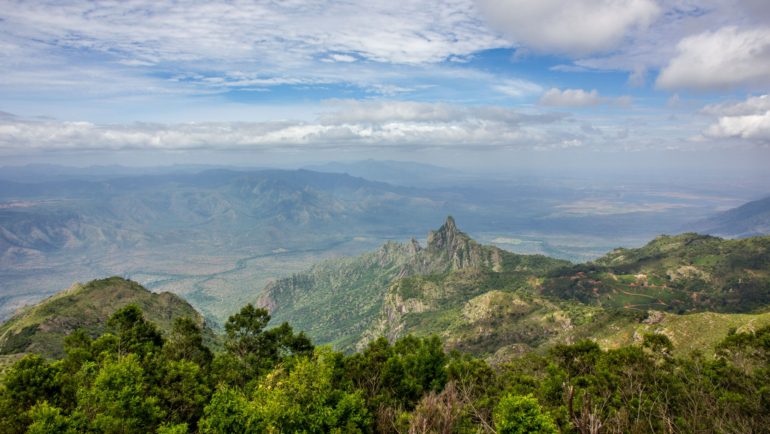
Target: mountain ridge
(485, 300)
(748, 220)
(41, 328)
(314, 300)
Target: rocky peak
(461, 251)
(447, 236)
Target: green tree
(516, 414)
(658, 343)
(134, 333)
(303, 397)
(119, 399)
(245, 331)
(417, 366)
(182, 391)
(30, 380)
(185, 342)
(251, 350)
(180, 428)
(228, 411)
(48, 419)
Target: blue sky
(482, 82)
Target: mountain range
(486, 300)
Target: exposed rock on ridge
(461, 251)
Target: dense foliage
(133, 379)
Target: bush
(517, 414)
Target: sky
(632, 84)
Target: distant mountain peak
(461, 251)
(446, 236)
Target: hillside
(747, 220)
(682, 273)
(215, 205)
(700, 331)
(404, 173)
(41, 328)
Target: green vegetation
(335, 300)
(493, 303)
(42, 328)
(131, 379)
(349, 302)
(516, 414)
(683, 273)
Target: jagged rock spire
(445, 236)
(460, 250)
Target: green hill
(477, 298)
(41, 328)
(682, 273)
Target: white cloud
(638, 76)
(723, 59)
(652, 48)
(345, 124)
(276, 33)
(752, 127)
(574, 28)
(752, 105)
(87, 52)
(357, 111)
(518, 88)
(748, 120)
(570, 98)
(337, 57)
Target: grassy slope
(479, 299)
(41, 328)
(474, 309)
